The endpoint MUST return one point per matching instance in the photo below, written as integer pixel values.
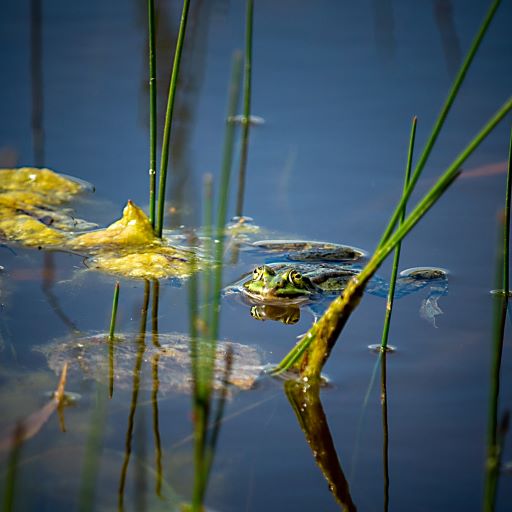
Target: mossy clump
(132, 230)
(55, 187)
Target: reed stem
(494, 443)
(227, 161)
(152, 111)
(396, 259)
(327, 329)
(246, 119)
(506, 226)
(113, 316)
(459, 79)
(207, 274)
(164, 160)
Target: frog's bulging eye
(257, 273)
(295, 277)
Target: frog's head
(267, 283)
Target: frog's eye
(295, 277)
(259, 272)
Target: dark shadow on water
(384, 28)
(36, 70)
(443, 14)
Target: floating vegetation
(164, 263)
(133, 229)
(128, 247)
(89, 356)
(56, 188)
(29, 200)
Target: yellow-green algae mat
(33, 214)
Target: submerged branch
(31, 425)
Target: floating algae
(132, 230)
(129, 248)
(55, 187)
(28, 200)
(89, 356)
(161, 263)
(31, 214)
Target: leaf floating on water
(31, 425)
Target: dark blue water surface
(337, 84)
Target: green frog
(287, 285)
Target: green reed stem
(93, 450)
(229, 140)
(164, 160)
(112, 329)
(396, 259)
(204, 355)
(152, 111)
(459, 79)
(494, 443)
(506, 227)
(327, 329)
(246, 119)
(207, 223)
(227, 162)
(113, 316)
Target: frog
(301, 277)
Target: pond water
(337, 84)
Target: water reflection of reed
(305, 401)
(155, 388)
(443, 13)
(38, 144)
(141, 346)
(385, 430)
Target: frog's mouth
(269, 296)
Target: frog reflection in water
(277, 290)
